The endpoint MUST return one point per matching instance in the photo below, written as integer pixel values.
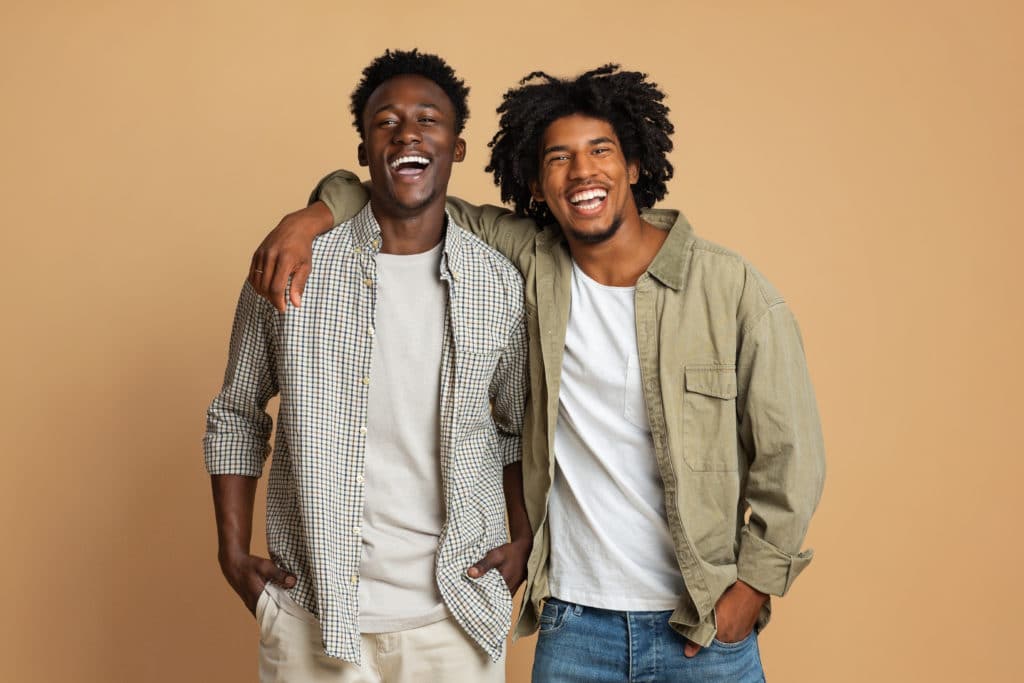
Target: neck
(620, 260)
(409, 233)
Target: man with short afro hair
(403, 386)
(674, 457)
(410, 62)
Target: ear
(361, 155)
(460, 149)
(633, 170)
(538, 194)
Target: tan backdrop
(865, 155)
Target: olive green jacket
(731, 408)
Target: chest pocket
(709, 418)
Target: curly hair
(625, 99)
(400, 62)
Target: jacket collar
(668, 264)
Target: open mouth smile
(588, 201)
(409, 165)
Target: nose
(581, 166)
(406, 133)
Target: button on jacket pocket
(709, 418)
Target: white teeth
(411, 159)
(587, 194)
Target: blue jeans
(591, 645)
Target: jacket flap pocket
(711, 380)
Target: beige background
(865, 155)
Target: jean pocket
(554, 615)
(739, 644)
(709, 418)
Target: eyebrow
(421, 105)
(565, 148)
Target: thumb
(691, 648)
(491, 560)
(299, 283)
(271, 573)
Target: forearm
(317, 219)
(515, 503)
(233, 501)
(780, 434)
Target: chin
(414, 204)
(598, 235)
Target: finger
(283, 578)
(491, 560)
(255, 268)
(299, 283)
(259, 273)
(691, 648)
(279, 282)
(267, 277)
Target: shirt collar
(366, 234)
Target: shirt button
(455, 274)
(356, 530)
(361, 479)
(368, 282)
(369, 331)
(366, 380)
(354, 580)
(357, 250)
(375, 243)
(362, 430)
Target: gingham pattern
(318, 358)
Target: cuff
(510, 449)
(243, 464)
(335, 189)
(765, 567)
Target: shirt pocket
(709, 418)
(634, 409)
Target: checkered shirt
(318, 358)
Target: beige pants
(291, 651)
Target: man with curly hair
(402, 381)
(672, 449)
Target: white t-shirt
(404, 510)
(610, 544)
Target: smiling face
(409, 144)
(585, 179)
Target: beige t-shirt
(404, 510)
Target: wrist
(750, 592)
(523, 540)
(320, 218)
(230, 556)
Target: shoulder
(487, 261)
(728, 267)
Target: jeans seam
(629, 638)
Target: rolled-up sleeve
(237, 424)
(780, 433)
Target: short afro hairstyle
(625, 99)
(400, 62)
